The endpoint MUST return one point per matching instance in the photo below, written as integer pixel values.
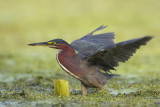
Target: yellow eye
(51, 43)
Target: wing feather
(120, 52)
(90, 44)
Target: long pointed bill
(39, 44)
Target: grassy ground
(26, 73)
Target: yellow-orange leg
(84, 89)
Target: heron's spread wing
(121, 52)
(91, 44)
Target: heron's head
(55, 43)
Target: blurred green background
(27, 21)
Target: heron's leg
(84, 89)
(103, 90)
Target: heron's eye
(51, 43)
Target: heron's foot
(103, 90)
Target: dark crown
(59, 41)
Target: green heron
(95, 54)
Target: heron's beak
(39, 44)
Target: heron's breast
(69, 65)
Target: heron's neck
(66, 50)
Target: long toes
(103, 90)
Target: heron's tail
(113, 75)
